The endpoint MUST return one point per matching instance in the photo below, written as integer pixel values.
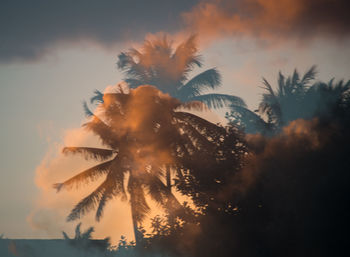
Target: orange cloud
(269, 19)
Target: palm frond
(87, 233)
(98, 97)
(200, 141)
(105, 197)
(295, 78)
(133, 70)
(134, 83)
(65, 236)
(115, 187)
(268, 87)
(198, 122)
(90, 152)
(219, 100)
(87, 111)
(86, 176)
(77, 231)
(281, 85)
(88, 203)
(309, 75)
(251, 121)
(186, 51)
(105, 132)
(168, 201)
(124, 61)
(209, 79)
(194, 105)
(184, 142)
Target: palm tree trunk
(134, 222)
(168, 177)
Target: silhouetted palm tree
(293, 99)
(86, 235)
(159, 64)
(144, 134)
(285, 103)
(83, 240)
(322, 99)
(279, 106)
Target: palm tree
(323, 99)
(86, 235)
(144, 133)
(83, 240)
(285, 103)
(294, 99)
(158, 64)
(279, 106)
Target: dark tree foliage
(251, 195)
(289, 197)
(295, 97)
(145, 134)
(159, 64)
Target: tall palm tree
(159, 64)
(144, 133)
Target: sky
(54, 54)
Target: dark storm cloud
(29, 28)
(271, 19)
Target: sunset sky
(54, 54)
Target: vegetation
(168, 69)
(141, 146)
(273, 182)
(295, 98)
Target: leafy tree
(144, 133)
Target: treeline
(273, 182)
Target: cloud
(31, 29)
(270, 19)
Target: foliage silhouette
(83, 240)
(252, 195)
(140, 144)
(295, 98)
(289, 197)
(158, 64)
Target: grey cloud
(30, 28)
